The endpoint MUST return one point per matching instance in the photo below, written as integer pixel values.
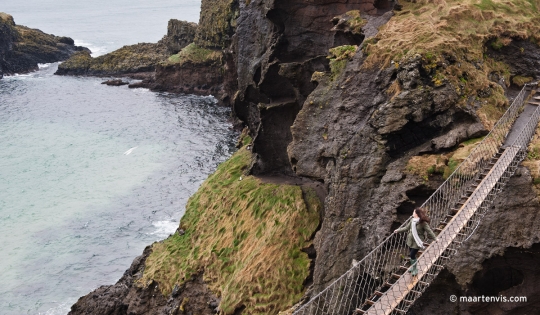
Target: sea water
(102, 25)
(91, 174)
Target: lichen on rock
(217, 24)
(195, 54)
(137, 58)
(179, 35)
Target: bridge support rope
(380, 283)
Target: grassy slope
(130, 58)
(439, 30)
(195, 54)
(444, 164)
(245, 236)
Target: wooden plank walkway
(519, 124)
(399, 290)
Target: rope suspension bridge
(380, 283)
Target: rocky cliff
(139, 61)
(22, 48)
(373, 104)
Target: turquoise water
(91, 174)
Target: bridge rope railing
(465, 224)
(369, 276)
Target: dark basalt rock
(22, 48)
(128, 297)
(115, 82)
(274, 71)
(128, 60)
(179, 35)
(346, 131)
(137, 61)
(522, 56)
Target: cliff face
(22, 48)
(377, 106)
(274, 69)
(355, 121)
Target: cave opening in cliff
(517, 267)
(497, 279)
(415, 198)
(272, 140)
(383, 6)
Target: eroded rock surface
(179, 35)
(139, 61)
(274, 71)
(22, 48)
(125, 297)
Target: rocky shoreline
(328, 101)
(23, 48)
(374, 101)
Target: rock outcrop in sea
(353, 114)
(23, 48)
(138, 61)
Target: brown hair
(422, 215)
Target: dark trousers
(413, 252)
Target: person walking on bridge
(417, 227)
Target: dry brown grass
(426, 165)
(445, 164)
(394, 89)
(245, 237)
(459, 29)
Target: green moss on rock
(339, 56)
(217, 23)
(141, 57)
(521, 81)
(195, 54)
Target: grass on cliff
(127, 59)
(217, 23)
(195, 54)
(7, 19)
(443, 164)
(245, 236)
(459, 31)
(339, 56)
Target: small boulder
(115, 82)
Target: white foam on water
(44, 65)
(140, 90)
(61, 309)
(164, 228)
(96, 50)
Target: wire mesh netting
(382, 283)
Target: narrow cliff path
(318, 187)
